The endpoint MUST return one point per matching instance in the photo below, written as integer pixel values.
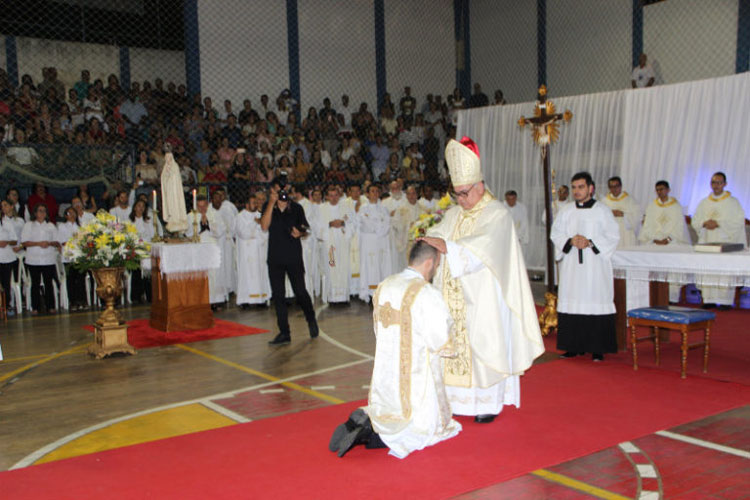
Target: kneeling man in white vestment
(485, 284)
(407, 407)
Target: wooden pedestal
(179, 304)
(109, 340)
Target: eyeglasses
(465, 192)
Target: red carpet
(729, 355)
(570, 408)
(141, 335)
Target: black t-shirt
(283, 248)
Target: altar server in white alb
(211, 230)
(664, 225)
(626, 211)
(225, 210)
(585, 236)
(406, 214)
(484, 281)
(373, 224)
(336, 226)
(719, 218)
(393, 203)
(354, 201)
(253, 286)
(407, 404)
(520, 215)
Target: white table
(642, 275)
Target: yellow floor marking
(151, 427)
(578, 485)
(22, 369)
(24, 358)
(291, 385)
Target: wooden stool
(683, 319)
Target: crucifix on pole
(545, 131)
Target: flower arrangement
(104, 242)
(426, 221)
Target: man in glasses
(484, 282)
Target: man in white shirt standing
(643, 74)
(719, 218)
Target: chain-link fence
(93, 89)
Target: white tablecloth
(181, 260)
(682, 265)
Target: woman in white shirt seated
(10, 234)
(145, 226)
(39, 238)
(76, 280)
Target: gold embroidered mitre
(463, 162)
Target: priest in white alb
(225, 209)
(664, 225)
(354, 201)
(407, 213)
(309, 242)
(336, 226)
(484, 281)
(373, 226)
(626, 210)
(520, 215)
(211, 230)
(253, 286)
(719, 218)
(392, 204)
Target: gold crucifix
(545, 131)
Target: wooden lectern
(180, 300)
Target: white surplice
(630, 222)
(485, 284)
(354, 257)
(227, 212)
(726, 210)
(373, 226)
(336, 251)
(586, 283)
(407, 404)
(663, 220)
(253, 286)
(216, 287)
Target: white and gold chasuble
(629, 223)
(485, 285)
(407, 404)
(728, 213)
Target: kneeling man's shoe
(356, 430)
(485, 418)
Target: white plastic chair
(16, 295)
(62, 285)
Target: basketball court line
(705, 444)
(46, 359)
(575, 484)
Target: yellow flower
(424, 216)
(445, 202)
(130, 228)
(105, 217)
(102, 241)
(119, 238)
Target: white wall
(243, 50)
(589, 46)
(691, 39)
(420, 48)
(149, 64)
(503, 48)
(337, 52)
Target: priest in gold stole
(484, 282)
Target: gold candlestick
(196, 235)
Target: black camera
(283, 195)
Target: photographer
(285, 222)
